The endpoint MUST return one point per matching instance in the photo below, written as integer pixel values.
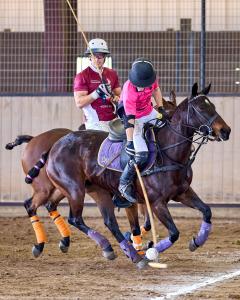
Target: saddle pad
(108, 155)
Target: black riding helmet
(142, 73)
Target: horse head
(202, 114)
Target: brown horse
(44, 193)
(73, 160)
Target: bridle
(207, 125)
(203, 137)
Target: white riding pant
(100, 125)
(138, 140)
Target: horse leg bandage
(99, 239)
(39, 230)
(129, 251)
(62, 226)
(203, 234)
(137, 242)
(163, 245)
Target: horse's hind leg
(31, 208)
(58, 220)
(77, 221)
(191, 199)
(105, 204)
(136, 237)
(74, 190)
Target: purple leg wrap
(163, 245)
(129, 251)
(203, 233)
(98, 238)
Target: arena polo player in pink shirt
(136, 98)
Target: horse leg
(136, 237)
(191, 199)
(58, 220)
(106, 208)
(31, 208)
(164, 216)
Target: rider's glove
(103, 91)
(163, 115)
(130, 149)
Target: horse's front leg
(162, 213)
(191, 199)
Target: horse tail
(37, 167)
(18, 141)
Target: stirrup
(122, 189)
(121, 202)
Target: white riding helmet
(97, 46)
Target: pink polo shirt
(137, 103)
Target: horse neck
(167, 137)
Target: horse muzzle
(222, 134)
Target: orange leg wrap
(39, 230)
(137, 241)
(62, 226)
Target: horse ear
(194, 89)
(206, 90)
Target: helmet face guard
(97, 46)
(142, 73)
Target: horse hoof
(37, 250)
(63, 247)
(143, 263)
(110, 255)
(192, 245)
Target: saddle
(112, 153)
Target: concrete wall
(216, 169)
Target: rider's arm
(129, 130)
(157, 95)
(82, 98)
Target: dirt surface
(83, 273)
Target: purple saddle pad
(109, 153)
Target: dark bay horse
(45, 193)
(73, 160)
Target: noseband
(207, 125)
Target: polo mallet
(86, 41)
(84, 36)
(153, 264)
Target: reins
(204, 138)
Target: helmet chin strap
(97, 70)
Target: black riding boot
(126, 182)
(126, 187)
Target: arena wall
(216, 169)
